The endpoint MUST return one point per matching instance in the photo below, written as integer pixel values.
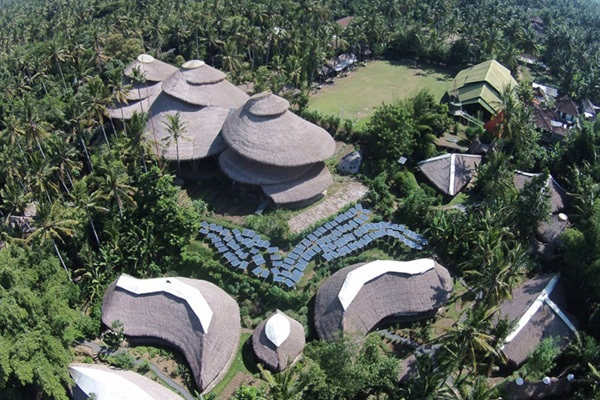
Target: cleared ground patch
(379, 82)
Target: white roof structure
(357, 278)
(277, 329)
(548, 91)
(107, 385)
(174, 287)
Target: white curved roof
(277, 329)
(106, 385)
(360, 276)
(174, 287)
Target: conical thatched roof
(143, 92)
(251, 172)
(450, 173)
(264, 130)
(153, 69)
(195, 317)
(109, 383)
(201, 85)
(304, 188)
(278, 340)
(357, 298)
(202, 127)
(535, 309)
(558, 195)
(137, 102)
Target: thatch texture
(306, 187)
(544, 323)
(144, 91)
(154, 70)
(556, 389)
(277, 358)
(558, 195)
(251, 172)
(202, 126)
(450, 173)
(264, 130)
(550, 231)
(201, 85)
(401, 296)
(115, 384)
(163, 318)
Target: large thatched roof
(558, 195)
(193, 316)
(357, 298)
(278, 340)
(264, 130)
(306, 187)
(109, 383)
(137, 102)
(535, 308)
(450, 173)
(202, 125)
(199, 84)
(251, 172)
(154, 70)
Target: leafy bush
(542, 360)
(122, 360)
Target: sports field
(379, 82)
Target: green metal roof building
(480, 87)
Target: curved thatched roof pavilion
(278, 341)
(204, 99)
(265, 131)
(140, 98)
(271, 147)
(195, 317)
(109, 383)
(359, 297)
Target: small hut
(363, 296)
(109, 383)
(141, 97)
(273, 153)
(193, 316)
(278, 341)
(536, 310)
(450, 173)
(203, 99)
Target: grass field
(378, 82)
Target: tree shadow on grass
(248, 358)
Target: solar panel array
(347, 233)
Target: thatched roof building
(359, 297)
(450, 173)
(558, 195)
(195, 317)
(109, 383)
(278, 341)
(140, 98)
(204, 99)
(271, 147)
(536, 310)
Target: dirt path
(352, 191)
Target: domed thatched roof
(264, 130)
(195, 317)
(199, 84)
(153, 69)
(143, 92)
(202, 127)
(250, 172)
(306, 187)
(109, 383)
(278, 340)
(138, 101)
(357, 298)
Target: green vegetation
(243, 363)
(379, 82)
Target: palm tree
(477, 389)
(119, 96)
(285, 385)
(40, 177)
(97, 98)
(430, 384)
(52, 226)
(64, 156)
(116, 186)
(13, 130)
(177, 128)
(58, 54)
(87, 201)
(138, 78)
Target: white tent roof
(360, 276)
(174, 287)
(277, 329)
(106, 385)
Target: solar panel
(273, 249)
(234, 245)
(277, 263)
(287, 274)
(352, 246)
(211, 235)
(258, 259)
(228, 238)
(275, 271)
(312, 237)
(301, 266)
(316, 248)
(305, 242)
(225, 232)
(295, 278)
(365, 211)
(218, 228)
(236, 232)
(298, 274)
(264, 274)
(278, 279)
(212, 227)
(328, 225)
(266, 244)
(215, 239)
(275, 257)
(293, 256)
(358, 207)
(243, 265)
(306, 256)
(222, 249)
(353, 224)
(289, 283)
(327, 257)
(253, 250)
(287, 266)
(311, 253)
(205, 224)
(257, 271)
(248, 233)
(300, 247)
(203, 231)
(353, 211)
(235, 262)
(241, 253)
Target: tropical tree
(176, 128)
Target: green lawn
(378, 82)
(244, 362)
